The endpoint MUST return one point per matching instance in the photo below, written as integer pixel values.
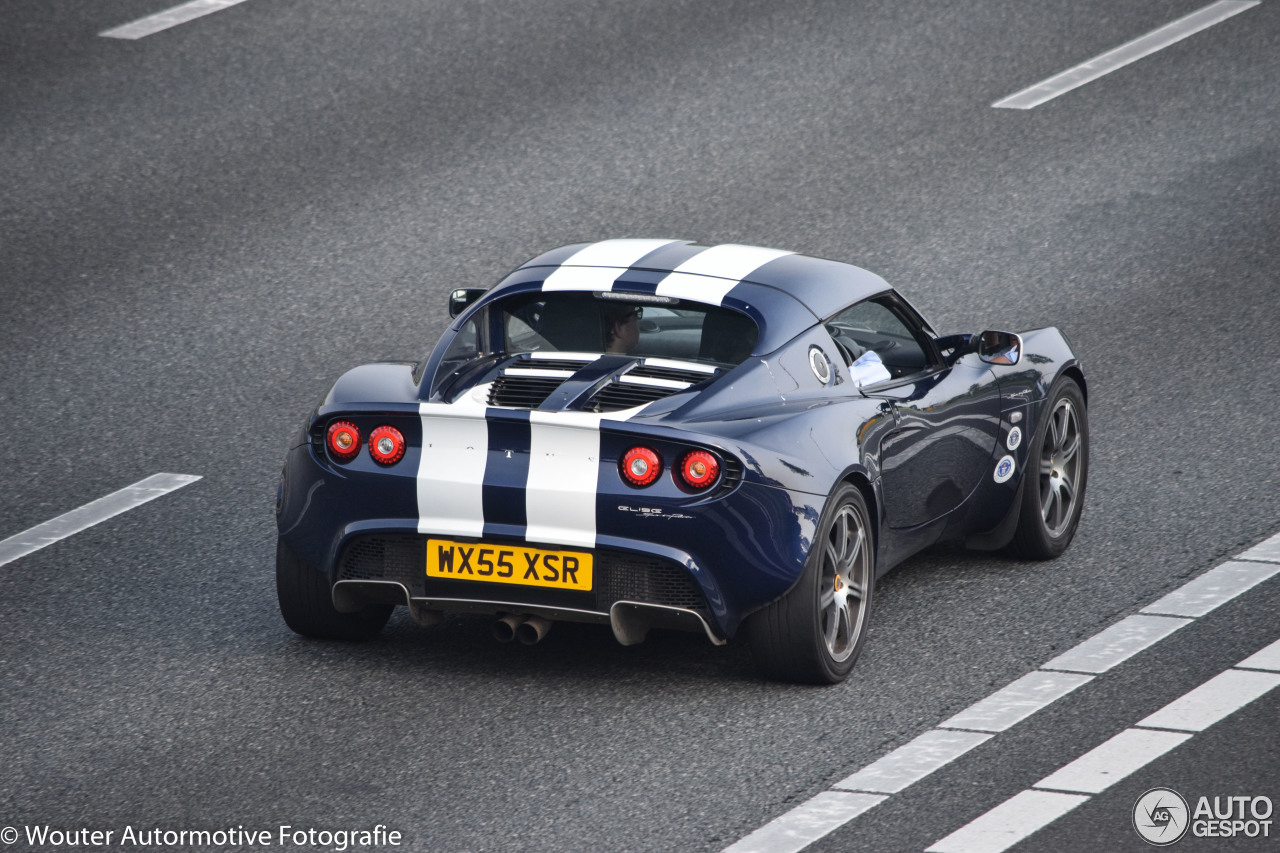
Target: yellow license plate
(472, 561)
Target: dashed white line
(1115, 645)
(92, 513)
(977, 724)
(806, 823)
(1268, 658)
(1121, 56)
(1268, 551)
(1212, 589)
(1132, 749)
(1109, 762)
(1217, 698)
(913, 761)
(1009, 822)
(168, 18)
(1013, 704)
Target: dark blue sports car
(654, 433)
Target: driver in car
(622, 327)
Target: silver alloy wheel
(1060, 468)
(846, 574)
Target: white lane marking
(168, 18)
(1268, 551)
(1008, 823)
(1116, 644)
(1213, 588)
(1113, 760)
(1100, 768)
(1104, 650)
(709, 275)
(94, 512)
(912, 761)
(1126, 53)
(581, 270)
(1268, 658)
(806, 823)
(455, 451)
(1017, 701)
(1217, 698)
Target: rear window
(612, 323)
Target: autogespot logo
(1160, 816)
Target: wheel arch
(862, 483)
(1073, 372)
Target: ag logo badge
(1004, 469)
(1014, 439)
(1161, 817)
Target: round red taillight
(386, 445)
(640, 466)
(344, 440)
(699, 469)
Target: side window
(464, 347)
(872, 333)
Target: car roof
(784, 292)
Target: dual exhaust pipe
(527, 629)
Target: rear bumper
(702, 568)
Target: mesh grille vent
(650, 371)
(388, 557)
(629, 577)
(522, 392)
(617, 396)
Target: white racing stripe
(455, 450)
(582, 270)
(564, 465)
(1086, 72)
(168, 18)
(709, 276)
(94, 512)
(564, 469)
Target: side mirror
(462, 297)
(999, 347)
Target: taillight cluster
(386, 443)
(697, 470)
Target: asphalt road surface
(201, 228)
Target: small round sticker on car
(820, 364)
(1004, 469)
(1014, 439)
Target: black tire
(306, 603)
(815, 632)
(1056, 475)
